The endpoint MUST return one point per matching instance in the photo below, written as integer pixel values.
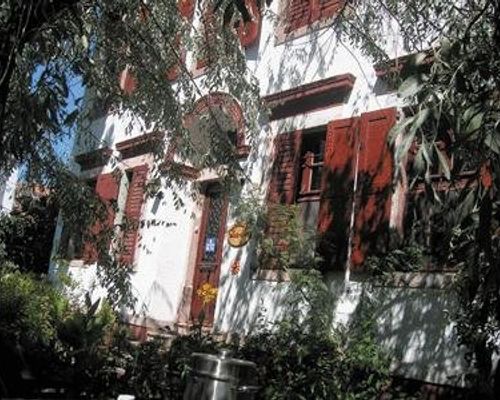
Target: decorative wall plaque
(238, 235)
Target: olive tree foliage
(46, 45)
(457, 93)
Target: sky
(64, 146)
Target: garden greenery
(49, 340)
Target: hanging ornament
(238, 235)
(235, 267)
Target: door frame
(196, 275)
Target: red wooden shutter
(337, 190)
(373, 195)
(133, 208)
(298, 14)
(249, 32)
(186, 11)
(328, 8)
(282, 187)
(304, 12)
(209, 21)
(107, 188)
(283, 183)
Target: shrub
(48, 341)
(84, 347)
(295, 363)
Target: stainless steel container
(220, 377)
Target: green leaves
(410, 87)
(472, 121)
(443, 162)
(492, 140)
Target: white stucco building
(325, 147)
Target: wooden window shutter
(337, 190)
(248, 32)
(209, 22)
(373, 195)
(328, 8)
(298, 14)
(282, 187)
(301, 13)
(186, 11)
(284, 174)
(133, 208)
(107, 188)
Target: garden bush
(52, 341)
(49, 341)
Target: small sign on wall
(210, 244)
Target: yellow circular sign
(238, 235)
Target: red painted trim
(94, 158)
(310, 97)
(198, 275)
(139, 332)
(186, 8)
(234, 110)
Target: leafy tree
(457, 93)
(26, 234)
(48, 45)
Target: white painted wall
(413, 322)
(8, 184)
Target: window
(301, 13)
(309, 187)
(428, 223)
(132, 201)
(317, 169)
(439, 154)
(71, 245)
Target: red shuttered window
(107, 188)
(337, 195)
(351, 200)
(295, 179)
(285, 168)
(357, 189)
(374, 187)
(186, 11)
(282, 187)
(133, 209)
(301, 13)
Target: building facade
(324, 147)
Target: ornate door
(209, 255)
